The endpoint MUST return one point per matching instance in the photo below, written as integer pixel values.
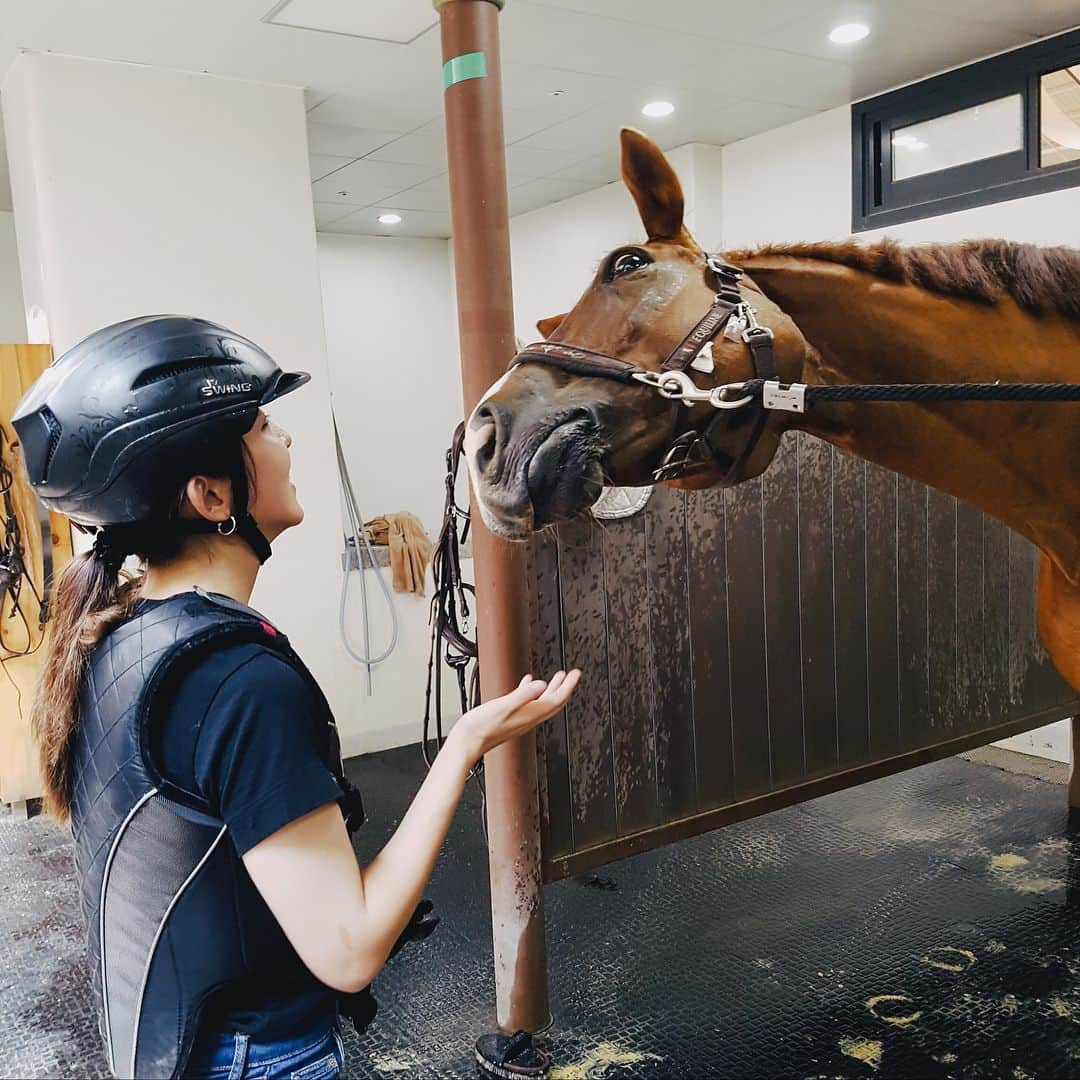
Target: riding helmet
(110, 424)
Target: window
(999, 129)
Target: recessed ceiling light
(658, 108)
(848, 33)
(389, 219)
(556, 93)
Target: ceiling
(574, 71)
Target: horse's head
(544, 440)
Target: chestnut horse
(544, 440)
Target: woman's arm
(343, 920)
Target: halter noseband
(688, 449)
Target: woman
(189, 746)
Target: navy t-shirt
(241, 732)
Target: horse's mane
(1042, 280)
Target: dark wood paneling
(816, 603)
(746, 631)
(631, 672)
(912, 599)
(995, 630)
(709, 651)
(849, 628)
(547, 658)
(971, 702)
(780, 534)
(584, 611)
(882, 647)
(941, 613)
(1023, 635)
(669, 630)
(832, 611)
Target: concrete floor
(923, 925)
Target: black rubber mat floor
(921, 926)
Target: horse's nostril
(485, 447)
(481, 438)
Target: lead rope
(449, 618)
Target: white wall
(12, 317)
(137, 191)
(391, 333)
(794, 183)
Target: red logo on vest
(269, 629)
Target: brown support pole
(481, 238)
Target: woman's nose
(288, 440)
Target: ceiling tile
(768, 74)
(323, 164)
(596, 169)
(365, 182)
(597, 46)
(530, 162)
(432, 194)
(598, 129)
(746, 118)
(555, 93)
(905, 44)
(392, 111)
(398, 23)
(419, 148)
(325, 213)
(727, 20)
(542, 193)
(340, 141)
(1034, 17)
(416, 223)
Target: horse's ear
(654, 186)
(548, 326)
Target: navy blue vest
(172, 914)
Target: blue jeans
(318, 1055)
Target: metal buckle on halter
(678, 386)
(754, 328)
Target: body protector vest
(172, 914)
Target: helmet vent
(55, 431)
(182, 367)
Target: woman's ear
(208, 494)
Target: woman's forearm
(395, 879)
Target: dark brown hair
(92, 596)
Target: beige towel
(410, 549)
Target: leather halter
(688, 449)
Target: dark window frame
(877, 200)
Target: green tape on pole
(471, 65)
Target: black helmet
(111, 424)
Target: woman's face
(273, 501)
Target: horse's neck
(1016, 461)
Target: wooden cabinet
(20, 778)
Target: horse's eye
(628, 262)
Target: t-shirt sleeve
(257, 761)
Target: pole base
(511, 1057)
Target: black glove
(421, 925)
(352, 806)
(360, 1008)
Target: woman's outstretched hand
(493, 723)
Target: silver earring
(231, 522)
